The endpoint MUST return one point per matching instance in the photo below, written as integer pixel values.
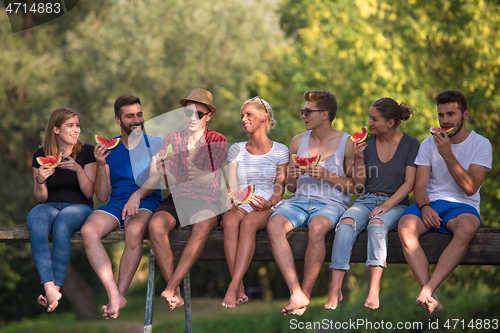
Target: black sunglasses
(307, 112)
(260, 99)
(189, 113)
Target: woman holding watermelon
(63, 173)
(384, 173)
(260, 162)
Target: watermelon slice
(304, 162)
(242, 196)
(110, 144)
(445, 129)
(362, 136)
(165, 154)
(53, 160)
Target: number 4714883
(41, 8)
(477, 324)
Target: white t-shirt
(475, 149)
(258, 170)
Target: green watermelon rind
(234, 195)
(100, 142)
(167, 156)
(438, 130)
(314, 160)
(367, 136)
(58, 157)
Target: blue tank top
(323, 191)
(129, 169)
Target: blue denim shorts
(115, 208)
(300, 212)
(447, 210)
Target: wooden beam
(484, 248)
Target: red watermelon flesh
(53, 160)
(445, 129)
(362, 136)
(243, 196)
(110, 144)
(304, 162)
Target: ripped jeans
(345, 233)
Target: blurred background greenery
(361, 50)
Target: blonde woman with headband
(65, 197)
(260, 162)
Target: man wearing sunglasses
(321, 195)
(193, 177)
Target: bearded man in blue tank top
(120, 174)
(321, 195)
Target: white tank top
(323, 191)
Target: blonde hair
(263, 105)
(51, 144)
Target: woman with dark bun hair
(65, 201)
(384, 174)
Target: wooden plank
(484, 248)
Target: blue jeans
(62, 219)
(300, 212)
(345, 233)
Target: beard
(130, 131)
(458, 127)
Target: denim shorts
(300, 212)
(446, 210)
(361, 209)
(114, 207)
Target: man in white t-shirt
(450, 170)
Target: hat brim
(183, 102)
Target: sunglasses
(260, 99)
(189, 113)
(307, 112)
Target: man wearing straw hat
(193, 176)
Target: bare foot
(242, 297)
(242, 300)
(421, 299)
(173, 298)
(372, 301)
(433, 305)
(334, 299)
(112, 309)
(297, 300)
(42, 301)
(229, 300)
(299, 311)
(52, 298)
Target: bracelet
(271, 202)
(39, 181)
(420, 208)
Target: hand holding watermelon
(259, 203)
(69, 163)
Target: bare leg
(98, 225)
(464, 228)
(373, 301)
(277, 229)
(231, 224)
(161, 224)
(410, 227)
(192, 250)
(336, 291)
(315, 255)
(246, 248)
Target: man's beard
(458, 127)
(129, 130)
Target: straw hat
(202, 96)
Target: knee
(464, 234)
(347, 220)
(317, 231)
(376, 222)
(275, 227)
(203, 228)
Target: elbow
(471, 192)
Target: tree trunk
(80, 296)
